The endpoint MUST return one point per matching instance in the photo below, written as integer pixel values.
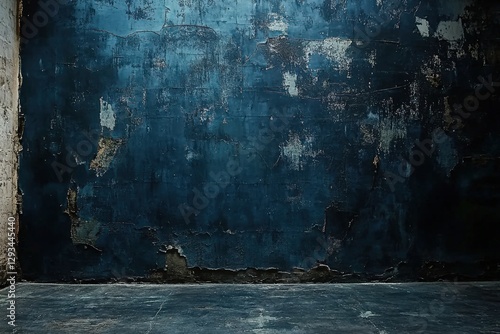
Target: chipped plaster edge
(10, 11)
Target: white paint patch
(389, 131)
(290, 83)
(296, 151)
(452, 32)
(367, 314)
(422, 26)
(277, 23)
(107, 115)
(372, 58)
(333, 48)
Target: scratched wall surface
(361, 135)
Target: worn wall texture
(254, 140)
(9, 97)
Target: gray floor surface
(323, 308)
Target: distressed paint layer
(290, 83)
(82, 232)
(297, 151)
(259, 137)
(423, 26)
(107, 114)
(334, 48)
(451, 31)
(106, 152)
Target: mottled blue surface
(290, 119)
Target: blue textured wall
(258, 134)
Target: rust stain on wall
(106, 152)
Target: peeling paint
(452, 32)
(333, 48)
(367, 314)
(277, 23)
(390, 130)
(297, 151)
(290, 83)
(82, 232)
(176, 266)
(423, 26)
(187, 91)
(336, 103)
(107, 115)
(372, 58)
(106, 151)
(206, 115)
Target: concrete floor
(333, 308)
